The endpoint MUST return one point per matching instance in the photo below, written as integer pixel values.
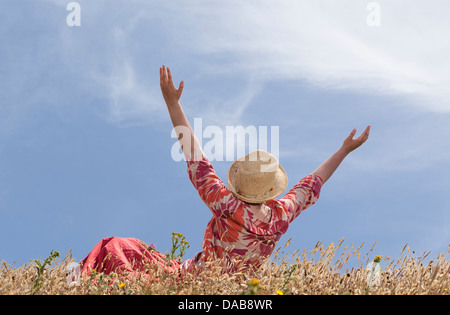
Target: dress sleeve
(304, 194)
(210, 187)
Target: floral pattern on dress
(234, 232)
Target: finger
(163, 74)
(367, 130)
(350, 136)
(170, 80)
(365, 134)
(169, 75)
(361, 138)
(181, 87)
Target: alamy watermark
(74, 17)
(229, 143)
(374, 16)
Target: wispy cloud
(130, 100)
(325, 43)
(329, 43)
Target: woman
(247, 219)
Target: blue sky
(85, 137)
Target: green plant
(180, 244)
(41, 269)
(288, 277)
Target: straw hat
(257, 177)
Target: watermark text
(227, 143)
(374, 16)
(74, 17)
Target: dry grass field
(334, 269)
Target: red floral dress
(234, 232)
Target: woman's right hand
(170, 93)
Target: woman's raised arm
(327, 168)
(189, 143)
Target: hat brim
(279, 187)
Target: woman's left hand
(351, 144)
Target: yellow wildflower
(122, 285)
(377, 259)
(254, 281)
(280, 292)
